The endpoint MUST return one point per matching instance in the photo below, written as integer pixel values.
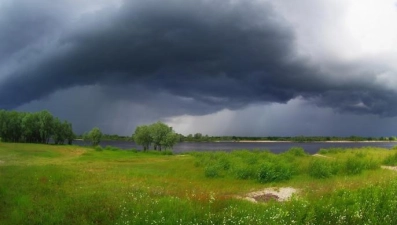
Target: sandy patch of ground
(1, 162)
(389, 167)
(318, 155)
(268, 194)
(322, 156)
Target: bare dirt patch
(394, 168)
(270, 194)
(321, 156)
(1, 162)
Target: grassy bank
(41, 184)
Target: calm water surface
(276, 147)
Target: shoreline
(265, 141)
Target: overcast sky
(219, 67)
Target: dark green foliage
(166, 152)
(274, 171)
(115, 137)
(37, 127)
(46, 125)
(62, 132)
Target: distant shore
(267, 141)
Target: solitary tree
(95, 136)
(158, 134)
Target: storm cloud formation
(204, 56)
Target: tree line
(198, 137)
(38, 127)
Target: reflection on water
(276, 147)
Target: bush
(98, 148)
(354, 166)
(296, 151)
(224, 163)
(271, 171)
(111, 148)
(134, 150)
(166, 152)
(391, 160)
(243, 172)
(331, 151)
(321, 169)
(371, 164)
(360, 154)
(211, 171)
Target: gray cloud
(181, 57)
(297, 117)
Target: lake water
(276, 147)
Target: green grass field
(44, 184)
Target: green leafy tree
(170, 139)
(142, 136)
(59, 133)
(158, 134)
(69, 134)
(46, 121)
(198, 136)
(189, 137)
(14, 127)
(95, 136)
(2, 124)
(36, 127)
(30, 128)
(63, 132)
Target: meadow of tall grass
(41, 184)
(265, 167)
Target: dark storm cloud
(25, 23)
(222, 54)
